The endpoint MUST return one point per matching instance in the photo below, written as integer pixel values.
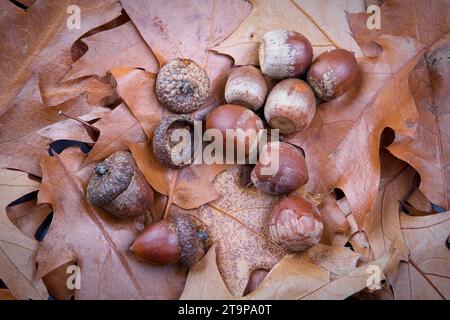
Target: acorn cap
(163, 147)
(182, 86)
(111, 177)
(192, 246)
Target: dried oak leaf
(382, 225)
(297, 276)
(29, 127)
(426, 275)
(214, 288)
(188, 188)
(342, 143)
(428, 150)
(120, 46)
(312, 18)
(96, 241)
(28, 216)
(17, 251)
(117, 128)
(137, 89)
(237, 223)
(43, 28)
(188, 29)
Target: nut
(182, 86)
(234, 118)
(290, 106)
(284, 54)
(289, 171)
(119, 187)
(246, 86)
(295, 224)
(332, 73)
(178, 240)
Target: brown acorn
(332, 73)
(290, 106)
(289, 169)
(284, 54)
(295, 224)
(231, 118)
(181, 239)
(119, 187)
(171, 149)
(182, 86)
(246, 86)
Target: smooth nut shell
(233, 117)
(284, 54)
(295, 224)
(246, 86)
(163, 146)
(332, 73)
(158, 243)
(290, 106)
(121, 189)
(292, 172)
(182, 86)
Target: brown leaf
(193, 186)
(117, 128)
(382, 225)
(127, 48)
(96, 241)
(214, 288)
(337, 260)
(237, 224)
(137, 89)
(28, 216)
(5, 294)
(27, 129)
(98, 92)
(429, 152)
(333, 218)
(188, 29)
(313, 19)
(43, 28)
(341, 145)
(17, 251)
(427, 273)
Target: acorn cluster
(283, 94)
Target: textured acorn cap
(192, 248)
(182, 86)
(111, 177)
(162, 144)
(119, 187)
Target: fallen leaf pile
(378, 157)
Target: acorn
(281, 169)
(332, 73)
(284, 54)
(290, 106)
(181, 239)
(256, 277)
(119, 187)
(230, 117)
(174, 148)
(295, 224)
(182, 86)
(246, 86)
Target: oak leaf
(17, 251)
